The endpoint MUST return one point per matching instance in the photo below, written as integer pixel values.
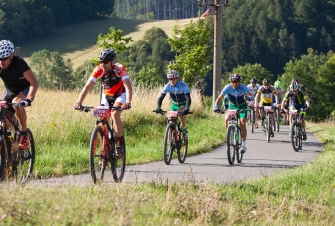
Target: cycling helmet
(172, 74)
(277, 84)
(296, 80)
(235, 78)
(266, 81)
(107, 55)
(6, 48)
(253, 80)
(294, 86)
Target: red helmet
(296, 80)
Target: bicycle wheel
(296, 137)
(26, 160)
(169, 144)
(3, 157)
(277, 121)
(119, 164)
(182, 151)
(238, 151)
(252, 119)
(274, 117)
(98, 160)
(230, 144)
(267, 128)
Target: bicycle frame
(296, 128)
(268, 113)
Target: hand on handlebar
(126, 106)
(217, 110)
(159, 111)
(25, 103)
(308, 108)
(186, 111)
(77, 106)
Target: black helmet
(106, 55)
(253, 80)
(266, 81)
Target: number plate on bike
(231, 112)
(172, 114)
(251, 103)
(100, 112)
(293, 112)
(267, 108)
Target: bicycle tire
(182, 151)
(296, 137)
(252, 118)
(238, 152)
(98, 159)
(3, 157)
(274, 117)
(26, 160)
(267, 128)
(169, 143)
(119, 164)
(230, 144)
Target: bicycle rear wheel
(98, 159)
(119, 163)
(169, 144)
(230, 144)
(267, 128)
(252, 119)
(182, 151)
(296, 137)
(2, 157)
(238, 151)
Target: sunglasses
(171, 79)
(4, 59)
(235, 82)
(294, 91)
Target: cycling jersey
(253, 90)
(235, 96)
(266, 94)
(279, 92)
(12, 76)
(112, 81)
(298, 100)
(177, 93)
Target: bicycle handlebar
(238, 111)
(179, 112)
(88, 108)
(4, 104)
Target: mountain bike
(174, 140)
(296, 129)
(268, 122)
(252, 115)
(276, 118)
(15, 163)
(103, 146)
(234, 138)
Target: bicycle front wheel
(98, 160)
(238, 151)
(3, 158)
(26, 160)
(267, 129)
(252, 119)
(169, 143)
(231, 144)
(277, 121)
(119, 163)
(296, 137)
(182, 151)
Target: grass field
(78, 42)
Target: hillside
(78, 42)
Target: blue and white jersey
(177, 93)
(235, 96)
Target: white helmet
(172, 74)
(294, 86)
(6, 48)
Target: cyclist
(253, 87)
(236, 93)
(181, 98)
(298, 99)
(301, 87)
(280, 94)
(264, 98)
(117, 90)
(20, 86)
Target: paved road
(261, 159)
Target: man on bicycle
(117, 90)
(265, 94)
(236, 93)
(253, 87)
(181, 98)
(280, 94)
(298, 99)
(20, 86)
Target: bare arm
(129, 90)
(33, 84)
(218, 100)
(88, 86)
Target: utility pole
(217, 66)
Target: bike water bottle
(109, 134)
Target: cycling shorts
(110, 101)
(238, 107)
(176, 106)
(297, 106)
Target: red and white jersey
(112, 81)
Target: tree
(51, 70)
(253, 71)
(192, 49)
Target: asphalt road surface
(261, 159)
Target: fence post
(17, 51)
